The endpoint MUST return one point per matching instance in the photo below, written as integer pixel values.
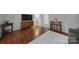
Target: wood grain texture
(22, 36)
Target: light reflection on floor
(37, 31)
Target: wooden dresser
(26, 24)
(56, 26)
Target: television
(26, 17)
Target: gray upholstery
(73, 35)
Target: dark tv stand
(26, 24)
(3, 26)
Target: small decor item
(56, 19)
(6, 22)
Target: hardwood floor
(22, 36)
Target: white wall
(1, 20)
(13, 18)
(45, 20)
(69, 20)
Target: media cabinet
(26, 24)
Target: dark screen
(26, 17)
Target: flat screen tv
(26, 17)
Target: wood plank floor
(22, 36)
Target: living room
(40, 23)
